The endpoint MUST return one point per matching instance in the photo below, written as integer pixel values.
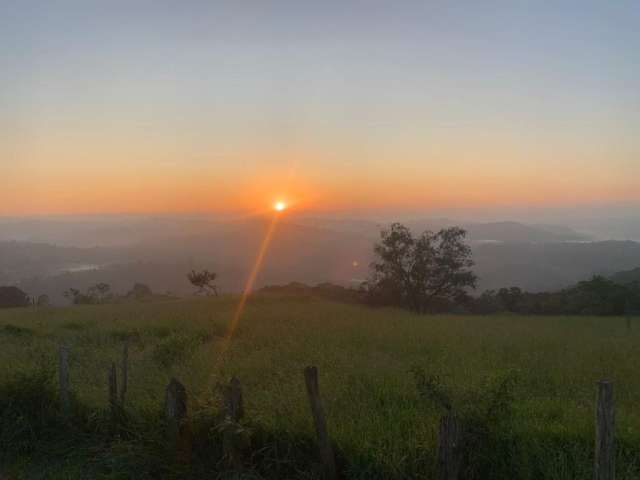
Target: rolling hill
(305, 250)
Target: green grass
(367, 359)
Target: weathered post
(324, 442)
(125, 372)
(63, 380)
(178, 432)
(233, 403)
(604, 468)
(113, 394)
(627, 311)
(233, 411)
(449, 447)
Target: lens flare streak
(247, 289)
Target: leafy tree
(11, 297)
(96, 294)
(511, 298)
(597, 296)
(421, 273)
(487, 302)
(140, 291)
(204, 282)
(100, 293)
(73, 295)
(601, 296)
(43, 301)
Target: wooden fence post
(113, 394)
(234, 411)
(449, 447)
(324, 442)
(125, 372)
(63, 380)
(233, 402)
(178, 432)
(604, 468)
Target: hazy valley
(48, 256)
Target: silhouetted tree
(71, 294)
(421, 273)
(597, 296)
(43, 301)
(204, 281)
(96, 294)
(11, 297)
(140, 291)
(100, 293)
(511, 298)
(601, 296)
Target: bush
(28, 410)
(140, 291)
(12, 297)
(175, 348)
(17, 332)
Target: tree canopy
(140, 291)
(96, 294)
(423, 272)
(204, 281)
(11, 297)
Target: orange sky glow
(216, 109)
(303, 182)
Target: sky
(194, 106)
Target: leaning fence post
(125, 372)
(449, 447)
(234, 411)
(113, 394)
(178, 432)
(63, 379)
(324, 442)
(233, 403)
(604, 468)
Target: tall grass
(525, 385)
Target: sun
(279, 206)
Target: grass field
(526, 385)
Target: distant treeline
(14, 297)
(101, 293)
(325, 290)
(433, 273)
(427, 273)
(598, 296)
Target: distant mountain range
(551, 266)
(160, 251)
(476, 232)
(627, 276)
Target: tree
(73, 294)
(96, 294)
(421, 273)
(43, 301)
(140, 291)
(511, 298)
(100, 293)
(600, 296)
(204, 282)
(11, 297)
